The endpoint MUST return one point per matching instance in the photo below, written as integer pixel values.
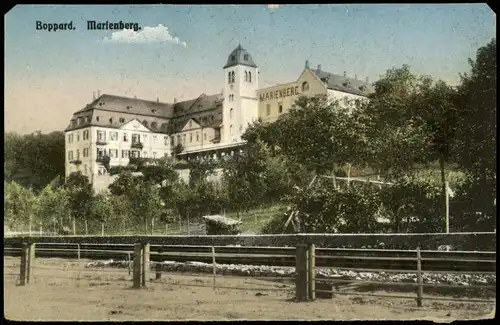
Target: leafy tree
(53, 206)
(200, 169)
(80, 193)
(34, 160)
(19, 205)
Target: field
(56, 293)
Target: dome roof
(240, 56)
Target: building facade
(111, 129)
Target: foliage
(53, 206)
(200, 169)
(19, 204)
(34, 160)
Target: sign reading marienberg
(282, 93)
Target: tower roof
(240, 56)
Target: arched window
(122, 120)
(229, 77)
(230, 130)
(145, 123)
(154, 125)
(305, 86)
(231, 113)
(246, 76)
(178, 139)
(249, 76)
(232, 77)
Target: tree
(80, 193)
(53, 206)
(476, 137)
(19, 205)
(34, 160)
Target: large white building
(113, 128)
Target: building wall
(285, 95)
(344, 99)
(193, 137)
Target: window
(101, 135)
(184, 138)
(97, 118)
(229, 78)
(113, 136)
(77, 154)
(172, 141)
(155, 139)
(154, 125)
(145, 123)
(268, 109)
(233, 58)
(87, 119)
(204, 136)
(280, 107)
(122, 120)
(231, 113)
(136, 138)
(110, 120)
(245, 57)
(190, 123)
(78, 136)
(212, 118)
(124, 153)
(125, 137)
(85, 135)
(100, 152)
(80, 120)
(165, 141)
(178, 139)
(135, 154)
(230, 130)
(85, 152)
(246, 76)
(190, 137)
(70, 155)
(249, 76)
(111, 153)
(70, 138)
(144, 138)
(305, 86)
(197, 137)
(232, 77)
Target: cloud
(273, 6)
(158, 34)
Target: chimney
(98, 93)
(355, 77)
(93, 95)
(175, 100)
(367, 80)
(319, 67)
(307, 64)
(345, 74)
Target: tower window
(246, 76)
(268, 109)
(232, 77)
(229, 77)
(245, 57)
(249, 76)
(233, 58)
(230, 130)
(231, 113)
(305, 86)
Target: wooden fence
(307, 284)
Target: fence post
(30, 262)
(129, 264)
(74, 226)
(102, 229)
(312, 271)
(79, 266)
(301, 262)
(420, 289)
(24, 263)
(137, 265)
(145, 263)
(166, 228)
(86, 228)
(214, 266)
(41, 228)
(158, 267)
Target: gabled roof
(344, 84)
(240, 56)
(130, 105)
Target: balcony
(103, 160)
(215, 140)
(137, 145)
(101, 142)
(76, 162)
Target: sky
(180, 50)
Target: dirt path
(57, 294)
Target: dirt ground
(65, 290)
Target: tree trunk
(443, 187)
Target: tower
(241, 106)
